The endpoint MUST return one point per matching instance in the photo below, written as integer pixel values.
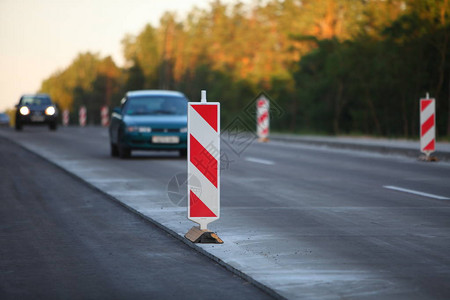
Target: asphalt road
(308, 222)
(61, 239)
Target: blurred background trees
(334, 66)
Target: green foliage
(90, 80)
(372, 83)
(135, 77)
(333, 66)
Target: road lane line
(390, 187)
(259, 161)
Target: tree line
(332, 66)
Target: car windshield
(156, 105)
(35, 100)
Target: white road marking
(390, 187)
(259, 161)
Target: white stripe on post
(208, 137)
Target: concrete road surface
(305, 221)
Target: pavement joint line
(271, 292)
(259, 161)
(400, 189)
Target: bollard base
(428, 158)
(263, 140)
(196, 235)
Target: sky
(40, 37)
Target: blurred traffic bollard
(104, 114)
(262, 118)
(82, 116)
(428, 127)
(65, 119)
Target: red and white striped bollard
(427, 125)
(65, 119)
(82, 116)
(262, 118)
(203, 162)
(104, 113)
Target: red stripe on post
(263, 117)
(261, 103)
(430, 146)
(424, 104)
(427, 125)
(198, 208)
(208, 113)
(203, 160)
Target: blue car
(149, 120)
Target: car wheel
(114, 150)
(124, 152)
(53, 126)
(18, 126)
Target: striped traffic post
(104, 114)
(203, 166)
(65, 117)
(427, 126)
(262, 118)
(82, 116)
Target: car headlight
(183, 130)
(141, 129)
(50, 111)
(24, 110)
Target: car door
(116, 120)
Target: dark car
(149, 120)
(36, 109)
(4, 120)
